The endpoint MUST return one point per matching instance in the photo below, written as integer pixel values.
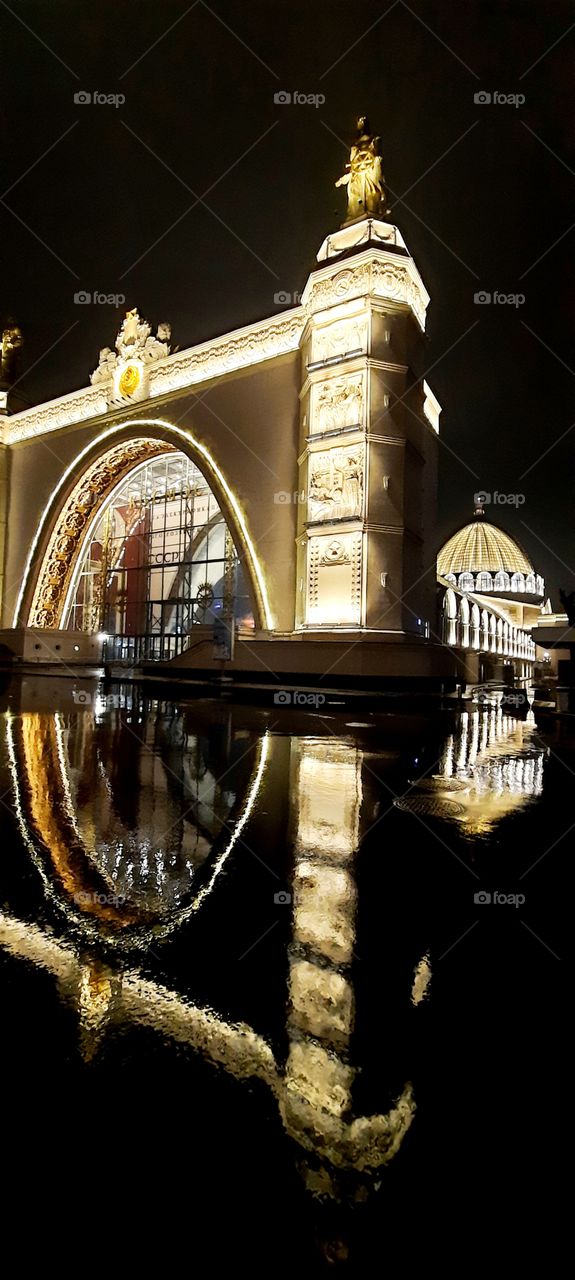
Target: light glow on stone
(187, 439)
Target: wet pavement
(289, 983)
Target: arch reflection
(129, 817)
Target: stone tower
(368, 444)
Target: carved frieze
(335, 486)
(339, 338)
(337, 403)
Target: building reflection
(490, 767)
(316, 1106)
(129, 816)
(158, 853)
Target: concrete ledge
(25, 645)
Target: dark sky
(483, 196)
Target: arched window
(450, 577)
(449, 617)
(540, 585)
(475, 623)
(530, 584)
(499, 635)
(484, 582)
(464, 623)
(484, 629)
(466, 582)
(158, 561)
(518, 583)
(502, 581)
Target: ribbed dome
(481, 547)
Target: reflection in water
(326, 785)
(129, 814)
(490, 767)
(120, 815)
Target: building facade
(284, 474)
(276, 485)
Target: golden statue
(364, 177)
(10, 346)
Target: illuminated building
(491, 597)
(294, 499)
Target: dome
(481, 547)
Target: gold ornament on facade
(129, 380)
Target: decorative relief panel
(73, 521)
(339, 338)
(398, 281)
(335, 553)
(335, 485)
(334, 580)
(338, 403)
(262, 342)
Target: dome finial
(478, 509)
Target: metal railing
(144, 648)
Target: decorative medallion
(129, 380)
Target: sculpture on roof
(134, 341)
(12, 342)
(364, 177)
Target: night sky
(199, 198)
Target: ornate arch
(81, 494)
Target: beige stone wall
(248, 422)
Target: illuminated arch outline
(143, 936)
(189, 445)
